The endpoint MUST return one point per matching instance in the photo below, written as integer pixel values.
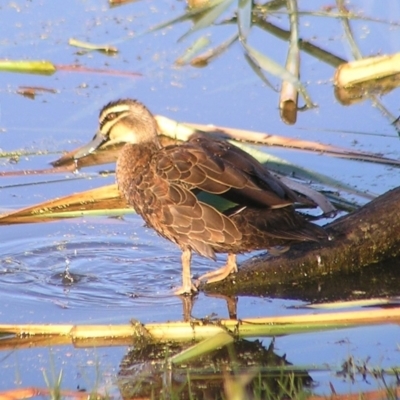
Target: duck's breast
(135, 175)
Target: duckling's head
(122, 121)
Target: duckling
(176, 188)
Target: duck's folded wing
(190, 223)
(222, 171)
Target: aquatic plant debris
(89, 46)
(32, 67)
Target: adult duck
(174, 189)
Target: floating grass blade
(31, 91)
(89, 46)
(29, 67)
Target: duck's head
(122, 121)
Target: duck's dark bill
(89, 148)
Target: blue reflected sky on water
(124, 270)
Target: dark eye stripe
(112, 112)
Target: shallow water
(108, 270)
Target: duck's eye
(111, 116)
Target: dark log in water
(365, 237)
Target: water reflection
(242, 369)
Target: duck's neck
(133, 162)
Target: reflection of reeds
(310, 48)
(246, 12)
(362, 91)
(289, 94)
(345, 18)
(206, 14)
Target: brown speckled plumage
(166, 186)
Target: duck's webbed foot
(186, 290)
(221, 273)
